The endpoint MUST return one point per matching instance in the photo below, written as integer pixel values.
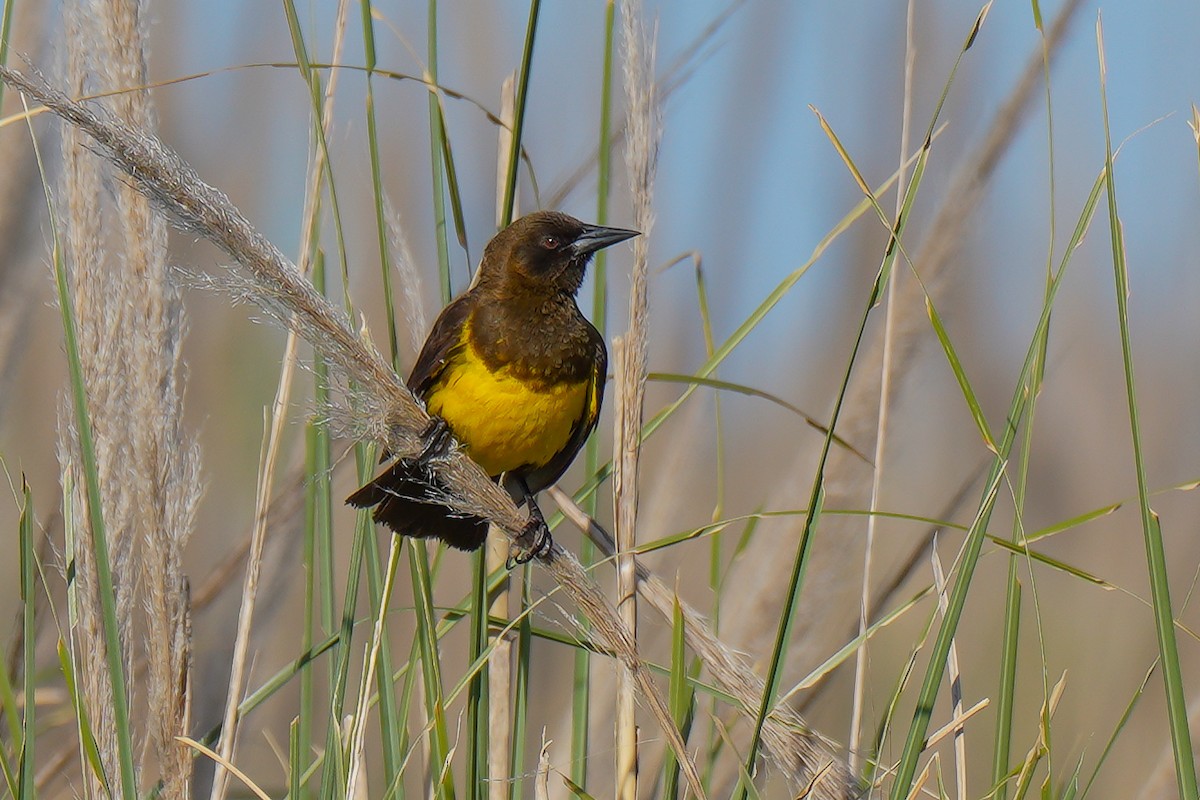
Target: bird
(514, 371)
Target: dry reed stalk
(799, 753)
(500, 665)
(885, 403)
(130, 321)
(80, 183)
(625, 435)
(383, 408)
(641, 160)
(270, 456)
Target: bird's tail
(404, 498)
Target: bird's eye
(550, 242)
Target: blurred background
(750, 184)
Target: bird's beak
(596, 237)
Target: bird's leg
(435, 441)
(535, 530)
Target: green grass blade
(581, 671)
(787, 617)
(1073, 522)
(745, 778)
(1119, 728)
(437, 135)
(12, 712)
(29, 640)
(522, 93)
(1051, 562)
(91, 752)
(406, 697)
(323, 500)
(317, 532)
(391, 721)
(477, 699)
(750, 391)
(385, 257)
(848, 649)
(295, 760)
(1177, 713)
(1070, 789)
(576, 789)
(1008, 681)
(715, 549)
(309, 560)
(439, 740)
(521, 695)
(333, 776)
(277, 681)
(11, 777)
(960, 374)
(456, 205)
(324, 543)
(680, 700)
(312, 79)
(1012, 612)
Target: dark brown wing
(541, 477)
(404, 494)
(443, 342)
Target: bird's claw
(538, 532)
(436, 440)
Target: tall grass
(432, 678)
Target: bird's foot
(536, 534)
(436, 441)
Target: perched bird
(514, 371)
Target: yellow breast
(504, 422)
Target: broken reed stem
(387, 410)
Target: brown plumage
(515, 371)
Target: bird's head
(547, 249)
